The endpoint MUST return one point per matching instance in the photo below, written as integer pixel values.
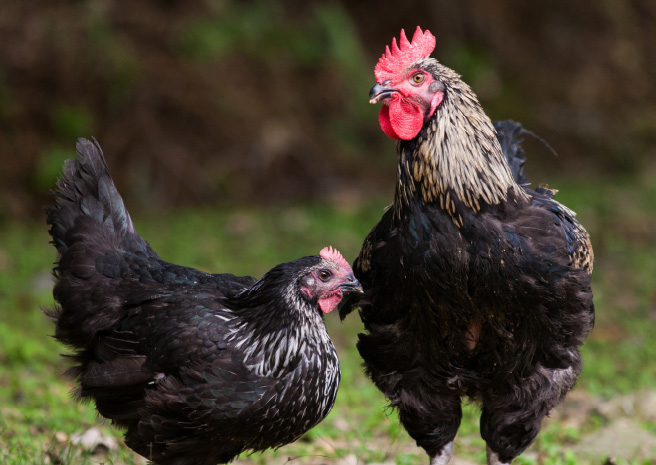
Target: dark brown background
(231, 102)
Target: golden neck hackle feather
(458, 154)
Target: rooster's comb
(333, 254)
(403, 55)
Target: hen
(197, 367)
(475, 286)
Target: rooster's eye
(324, 275)
(418, 78)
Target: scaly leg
(443, 457)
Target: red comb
(333, 254)
(392, 63)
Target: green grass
(38, 416)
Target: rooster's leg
(493, 458)
(512, 419)
(432, 420)
(443, 457)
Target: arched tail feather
(509, 134)
(96, 242)
(86, 189)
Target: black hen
(475, 286)
(198, 367)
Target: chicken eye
(325, 275)
(418, 78)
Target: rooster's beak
(351, 285)
(379, 92)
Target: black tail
(86, 190)
(509, 134)
(88, 221)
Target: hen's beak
(379, 92)
(351, 285)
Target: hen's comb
(333, 254)
(400, 57)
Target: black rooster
(474, 285)
(198, 367)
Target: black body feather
(492, 307)
(197, 367)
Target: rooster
(197, 367)
(475, 285)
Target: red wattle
(401, 119)
(384, 120)
(327, 304)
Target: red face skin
(407, 103)
(328, 285)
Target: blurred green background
(240, 136)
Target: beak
(379, 92)
(351, 285)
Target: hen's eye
(418, 78)
(324, 275)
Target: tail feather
(89, 224)
(509, 134)
(86, 189)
